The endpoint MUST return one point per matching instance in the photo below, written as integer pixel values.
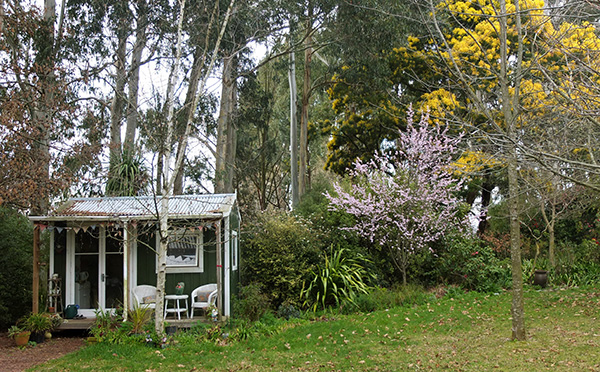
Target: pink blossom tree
(405, 200)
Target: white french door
(94, 270)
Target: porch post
(126, 271)
(219, 271)
(36, 269)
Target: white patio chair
(145, 296)
(203, 297)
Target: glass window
(234, 250)
(185, 249)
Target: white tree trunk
(168, 174)
(293, 130)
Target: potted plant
(20, 335)
(38, 324)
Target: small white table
(177, 309)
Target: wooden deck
(83, 324)
(76, 324)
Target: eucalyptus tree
(116, 39)
(48, 136)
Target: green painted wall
(146, 265)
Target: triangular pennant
(59, 229)
(84, 228)
(76, 229)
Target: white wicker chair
(203, 297)
(145, 296)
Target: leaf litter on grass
(470, 332)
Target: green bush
(288, 311)
(466, 261)
(278, 254)
(252, 303)
(16, 242)
(577, 274)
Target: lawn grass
(469, 332)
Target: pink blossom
(405, 200)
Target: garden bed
(14, 359)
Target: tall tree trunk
(303, 171)
(550, 226)
(231, 146)
(134, 78)
(293, 128)
(188, 109)
(226, 112)
(116, 110)
(509, 109)
(486, 197)
(42, 114)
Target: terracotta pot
(540, 278)
(22, 338)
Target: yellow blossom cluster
(440, 104)
(472, 162)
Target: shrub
(288, 311)
(278, 253)
(339, 280)
(252, 303)
(465, 261)
(16, 241)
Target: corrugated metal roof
(143, 207)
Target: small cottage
(101, 249)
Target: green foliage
(128, 177)
(139, 317)
(278, 254)
(37, 322)
(579, 274)
(288, 311)
(16, 241)
(340, 279)
(465, 261)
(15, 330)
(109, 328)
(315, 207)
(251, 304)
(384, 298)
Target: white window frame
(198, 266)
(235, 256)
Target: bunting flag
(59, 229)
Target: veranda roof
(205, 206)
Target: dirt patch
(14, 359)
